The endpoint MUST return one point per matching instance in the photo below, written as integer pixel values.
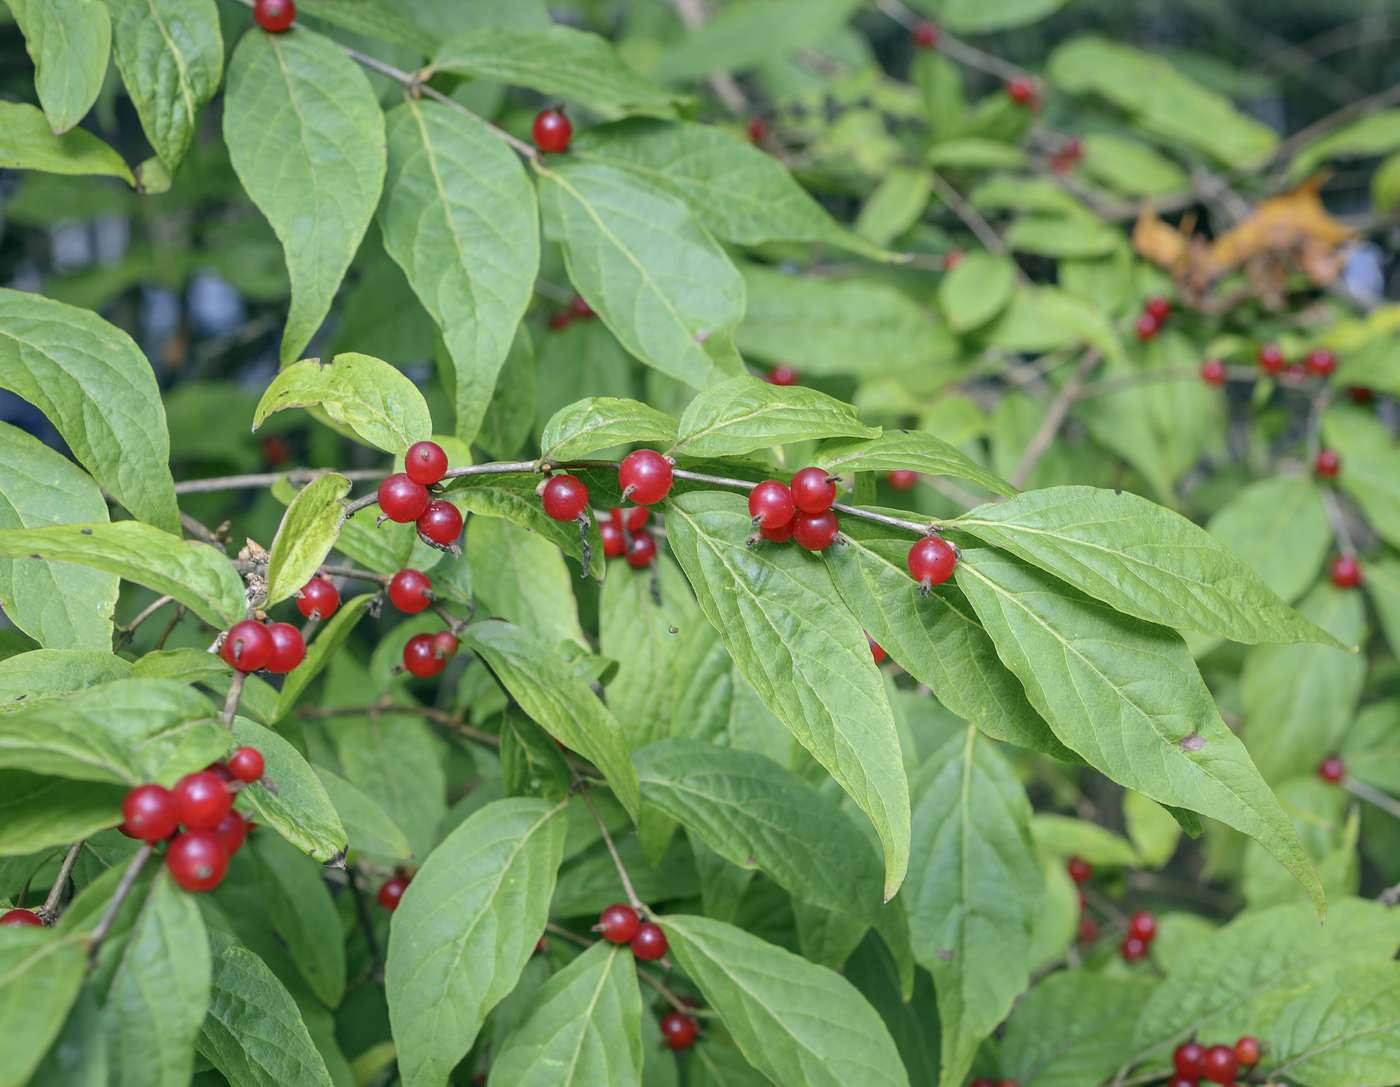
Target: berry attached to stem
(645, 477)
(197, 860)
(150, 813)
(815, 531)
(440, 524)
(1247, 1051)
(246, 764)
(274, 16)
(25, 918)
(552, 131)
(770, 503)
(1332, 770)
(813, 491)
(931, 561)
(780, 534)
(564, 497)
(247, 646)
(402, 500)
(618, 923)
(678, 1030)
(391, 892)
(202, 800)
(1188, 1058)
(1142, 925)
(650, 943)
(1213, 372)
(420, 657)
(1346, 572)
(1219, 1064)
(410, 591)
(318, 599)
(425, 463)
(288, 648)
(1158, 308)
(445, 645)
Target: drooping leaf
(371, 397)
(37, 812)
(308, 531)
(1073, 1029)
(41, 972)
(68, 41)
(976, 290)
(746, 413)
(301, 911)
(367, 825)
(28, 143)
(1342, 1032)
(289, 797)
(319, 653)
(911, 450)
(1279, 528)
(465, 928)
(521, 577)
(599, 422)
(1063, 837)
(306, 138)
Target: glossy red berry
(1142, 925)
(222, 770)
(197, 860)
(564, 497)
(202, 800)
(420, 657)
(1360, 394)
(410, 591)
(812, 491)
(1213, 372)
(633, 518)
(641, 551)
(618, 923)
(1247, 1051)
(1219, 1064)
(1157, 308)
(425, 462)
(876, 650)
(925, 34)
(247, 647)
(645, 477)
(650, 942)
(932, 560)
(1079, 869)
(440, 523)
(902, 479)
(246, 764)
(770, 503)
(391, 891)
(1346, 572)
(1320, 363)
(25, 918)
(402, 500)
(778, 533)
(614, 543)
(1188, 1058)
(1332, 769)
(150, 813)
(445, 645)
(276, 451)
(1327, 464)
(231, 832)
(758, 130)
(552, 131)
(953, 258)
(275, 16)
(318, 599)
(1270, 358)
(1147, 326)
(542, 945)
(1183, 1081)
(1132, 949)
(783, 375)
(814, 531)
(288, 648)
(678, 1030)
(1088, 930)
(1021, 89)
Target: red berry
(246, 764)
(1359, 394)
(552, 131)
(445, 644)
(23, 918)
(1088, 930)
(953, 258)
(402, 500)
(391, 891)
(276, 451)
(560, 320)
(564, 497)
(318, 599)
(614, 543)
(150, 813)
(642, 550)
(645, 477)
(579, 309)
(231, 832)
(1332, 769)
(902, 479)
(1327, 464)
(812, 492)
(983, 1083)
(197, 860)
(1297, 373)
(1346, 572)
(1147, 326)
(274, 16)
(1270, 358)
(1187, 1058)
(288, 648)
(618, 923)
(1213, 372)
(783, 375)
(1320, 363)
(633, 518)
(814, 531)
(650, 942)
(1142, 925)
(932, 560)
(202, 799)
(926, 34)
(1079, 869)
(1247, 1051)
(758, 130)
(678, 1030)
(420, 658)
(876, 650)
(770, 503)
(425, 462)
(410, 591)
(1021, 89)
(1183, 1081)
(247, 646)
(541, 945)
(1074, 151)
(1132, 949)
(1157, 308)
(1219, 1064)
(222, 770)
(440, 523)
(779, 534)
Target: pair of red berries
(800, 510)
(621, 924)
(274, 16)
(1318, 363)
(251, 646)
(1345, 572)
(404, 496)
(1218, 1063)
(552, 131)
(318, 598)
(1142, 929)
(425, 655)
(1155, 311)
(622, 535)
(391, 891)
(577, 310)
(783, 375)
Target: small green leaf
(1130, 167)
(1279, 528)
(289, 797)
(895, 205)
(28, 143)
(319, 653)
(375, 19)
(521, 577)
(1343, 1031)
(68, 41)
(749, 34)
(38, 812)
(912, 450)
(308, 531)
(371, 397)
(1072, 239)
(976, 290)
(41, 972)
(746, 413)
(1074, 1028)
(979, 17)
(367, 825)
(302, 912)
(1152, 829)
(600, 422)
(1064, 836)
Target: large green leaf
(459, 216)
(1144, 560)
(803, 651)
(520, 576)
(194, 573)
(582, 1027)
(800, 1024)
(1342, 1032)
(465, 928)
(28, 143)
(302, 913)
(746, 413)
(367, 825)
(1126, 695)
(654, 275)
(907, 450)
(306, 137)
(368, 395)
(975, 887)
(308, 531)
(27, 679)
(1074, 1028)
(1279, 528)
(290, 797)
(68, 42)
(40, 974)
(585, 426)
(97, 388)
(37, 812)
(60, 606)
(1370, 466)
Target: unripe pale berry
(318, 599)
(645, 477)
(932, 560)
(812, 490)
(246, 764)
(288, 648)
(275, 16)
(247, 647)
(150, 813)
(402, 500)
(420, 657)
(391, 892)
(650, 942)
(618, 923)
(197, 860)
(770, 503)
(552, 131)
(678, 1030)
(202, 799)
(815, 531)
(21, 919)
(564, 497)
(425, 462)
(410, 591)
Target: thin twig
(145, 614)
(1338, 521)
(617, 860)
(953, 47)
(267, 479)
(1050, 426)
(235, 692)
(1360, 108)
(316, 713)
(1384, 801)
(362, 911)
(671, 998)
(357, 574)
(49, 910)
(560, 930)
(969, 215)
(128, 881)
(174, 621)
(194, 526)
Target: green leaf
(171, 56)
(800, 1024)
(521, 577)
(1074, 1028)
(306, 138)
(747, 413)
(895, 205)
(975, 889)
(466, 927)
(1153, 830)
(28, 143)
(290, 797)
(254, 1033)
(914, 450)
(1343, 1031)
(38, 812)
(1382, 585)
(1144, 560)
(1064, 836)
(308, 531)
(367, 825)
(552, 694)
(98, 389)
(560, 61)
(977, 16)
(581, 1027)
(746, 35)
(1126, 695)
(371, 397)
(374, 19)
(600, 422)
(40, 975)
(1044, 319)
(194, 573)
(331, 637)
(68, 41)
(1368, 137)
(1279, 528)
(64, 607)
(976, 290)
(301, 910)
(459, 216)
(1370, 466)
(804, 653)
(1062, 238)
(975, 153)
(1130, 167)
(513, 498)
(653, 274)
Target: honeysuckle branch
(953, 47)
(267, 479)
(49, 910)
(353, 572)
(632, 898)
(235, 692)
(971, 217)
(174, 621)
(109, 915)
(127, 631)
(1360, 789)
(1050, 426)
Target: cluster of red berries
(1142, 926)
(783, 375)
(1063, 160)
(1021, 90)
(1218, 1063)
(576, 310)
(391, 891)
(645, 477)
(552, 131)
(623, 534)
(1317, 363)
(1155, 312)
(202, 803)
(274, 16)
(1332, 770)
(404, 496)
(925, 34)
(621, 924)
